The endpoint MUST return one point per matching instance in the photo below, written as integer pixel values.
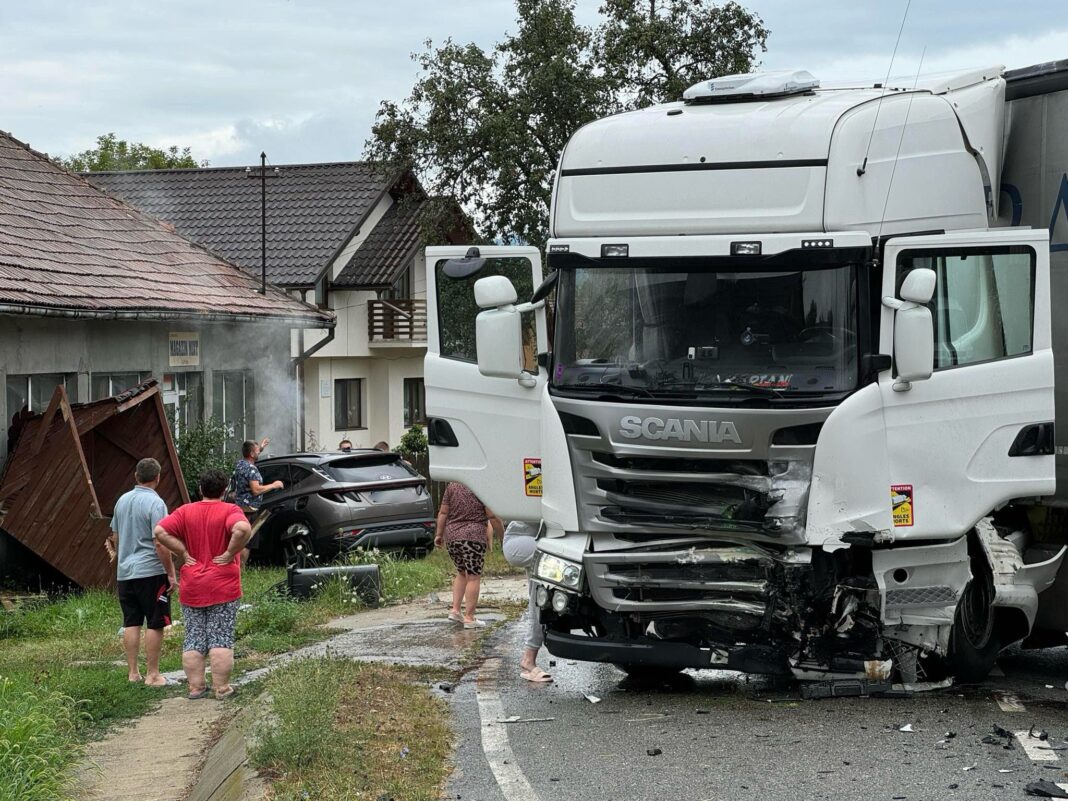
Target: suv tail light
(341, 497)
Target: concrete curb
(224, 774)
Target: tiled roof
(312, 210)
(66, 247)
(388, 249)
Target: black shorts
(144, 599)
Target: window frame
(950, 251)
(361, 410)
(409, 386)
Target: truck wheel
(973, 642)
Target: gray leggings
(519, 550)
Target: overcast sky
(302, 79)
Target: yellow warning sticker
(532, 477)
(902, 504)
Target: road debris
(593, 699)
(518, 719)
(1037, 735)
(1045, 789)
(970, 767)
(907, 728)
(653, 751)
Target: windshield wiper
(607, 389)
(754, 388)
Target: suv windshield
(375, 468)
(651, 329)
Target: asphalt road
(725, 736)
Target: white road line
(510, 778)
(1037, 749)
(1009, 703)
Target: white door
(484, 432)
(978, 432)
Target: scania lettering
(684, 430)
(783, 399)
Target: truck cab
(783, 398)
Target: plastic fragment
(1045, 789)
(653, 751)
(593, 699)
(907, 727)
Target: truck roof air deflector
(752, 86)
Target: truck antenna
(863, 168)
(900, 140)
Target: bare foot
(156, 681)
(133, 678)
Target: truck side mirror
(913, 329)
(498, 329)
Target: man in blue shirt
(249, 487)
(145, 571)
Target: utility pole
(263, 175)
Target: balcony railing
(396, 320)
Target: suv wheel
(297, 546)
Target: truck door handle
(440, 434)
(1036, 439)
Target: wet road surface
(722, 735)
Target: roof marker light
(615, 251)
(746, 248)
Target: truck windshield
(652, 330)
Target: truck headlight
(558, 571)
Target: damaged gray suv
(332, 503)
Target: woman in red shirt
(208, 536)
(465, 528)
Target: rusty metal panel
(71, 464)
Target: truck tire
(974, 642)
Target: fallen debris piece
(1006, 770)
(907, 727)
(653, 751)
(1000, 732)
(1038, 735)
(971, 767)
(1045, 789)
(593, 699)
(843, 688)
(517, 719)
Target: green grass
(340, 730)
(57, 655)
(38, 742)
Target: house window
(232, 404)
(104, 385)
(36, 390)
(983, 307)
(348, 404)
(183, 400)
(414, 402)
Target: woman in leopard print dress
(466, 528)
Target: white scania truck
(785, 402)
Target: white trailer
(796, 414)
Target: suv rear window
(355, 471)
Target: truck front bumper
(660, 653)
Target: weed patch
(341, 730)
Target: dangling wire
(863, 168)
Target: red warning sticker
(532, 477)
(902, 504)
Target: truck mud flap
(655, 653)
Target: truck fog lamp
(560, 602)
(746, 248)
(615, 251)
(541, 597)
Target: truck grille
(728, 579)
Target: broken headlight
(558, 571)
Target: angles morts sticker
(532, 477)
(902, 504)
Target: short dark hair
(147, 470)
(213, 483)
(247, 447)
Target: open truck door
(969, 424)
(484, 431)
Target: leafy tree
(112, 153)
(488, 127)
(202, 446)
(413, 442)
